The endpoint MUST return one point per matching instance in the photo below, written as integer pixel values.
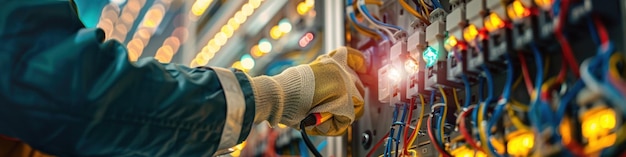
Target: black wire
(307, 141)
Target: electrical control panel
(490, 77)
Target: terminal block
(499, 35)
(456, 21)
(435, 56)
(474, 35)
(397, 72)
(524, 23)
(416, 43)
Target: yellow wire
(519, 105)
(425, 8)
(408, 8)
(456, 100)
(419, 123)
(365, 32)
(393, 152)
(379, 3)
(517, 82)
(481, 129)
(515, 120)
(445, 112)
(613, 71)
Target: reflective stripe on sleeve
(235, 106)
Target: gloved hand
(329, 85)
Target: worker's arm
(66, 93)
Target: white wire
(595, 86)
(385, 29)
(587, 78)
(432, 108)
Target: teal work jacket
(66, 92)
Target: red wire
(567, 50)
(465, 133)
(433, 141)
(408, 123)
(377, 145)
(575, 148)
(527, 81)
(9, 138)
(602, 31)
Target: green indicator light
(430, 56)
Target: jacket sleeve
(65, 92)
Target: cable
(361, 7)
(602, 31)
(613, 76)
(432, 137)
(437, 4)
(309, 120)
(406, 129)
(539, 77)
(527, 81)
(365, 11)
(565, 46)
(408, 8)
(516, 121)
(501, 104)
(464, 132)
(468, 90)
(481, 81)
(456, 100)
(425, 8)
(360, 27)
(419, 122)
(380, 142)
(483, 110)
(445, 113)
(401, 123)
(377, 2)
(392, 130)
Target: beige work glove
(328, 86)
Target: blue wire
(481, 82)
(556, 7)
(468, 90)
(394, 119)
(353, 18)
(535, 110)
(303, 149)
(367, 13)
(437, 126)
(489, 84)
(481, 89)
(594, 33)
(401, 123)
(486, 103)
(500, 107)
(437, 4)
(438, 134)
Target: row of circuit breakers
(493, 77)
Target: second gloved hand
(328, 85)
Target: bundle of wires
(413, 137)
(482, 111)
(437, 143)
(387, 28)
(361, 28)
(422, 14)
(501, 103)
